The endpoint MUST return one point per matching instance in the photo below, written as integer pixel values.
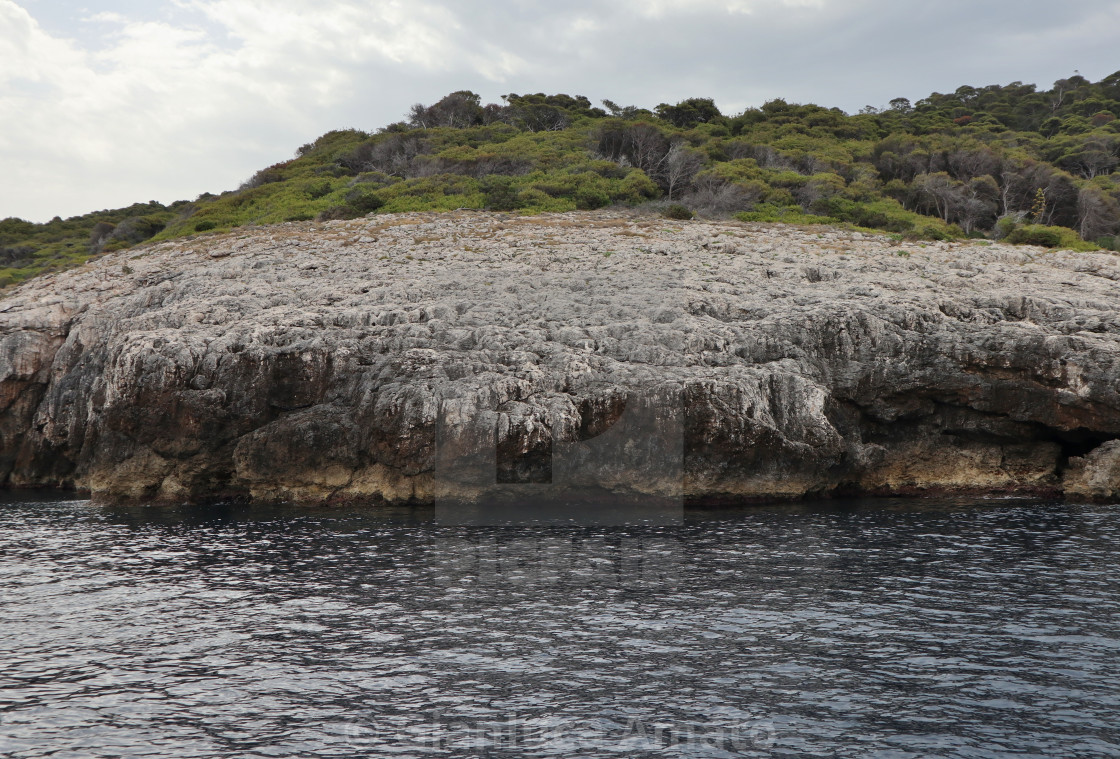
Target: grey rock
(317, 362)
(1095, 476)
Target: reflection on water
(883, 628)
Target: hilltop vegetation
(1007, 162)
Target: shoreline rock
(322, 362)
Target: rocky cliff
(342, 360)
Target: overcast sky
(108, 103)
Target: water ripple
(882, 629)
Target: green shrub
(589, 198)
(373, 179)
(133, 230)
(637, 186)
(677, 211)
(605, 169)
(17, 255)
(930, 231)
(885, 214)
(533, 198)
(1072, 241)
(797, 164)
(1005, 225)
(318, 189)
(1049, 237)
(780, 197)
(1035, 234)
(500, 193)
(856, 213)
(359, 202)
(12, 226)
(274, 173)
(99, 234)
(773, 214)
(362, 201)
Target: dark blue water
(880, 629)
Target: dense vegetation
(1007, 162)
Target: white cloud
(414, 33)
(26, 51)
(659, 8)
(181, 110)
(201, 93)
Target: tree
(1098, 214)
(622, 112)
(646, 148)
(970, 204)
(968, 162)
(688, 113)
(680, 166)
(392, 154)
(939, 190)
(1061, 197)
(1012, 185)
(458, 110)
(975, 203)
(819, 186)
(538, 117)
(1092, 156)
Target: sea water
(964, 628)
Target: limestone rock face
(317, 362)
(1096, 476)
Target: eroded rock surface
(316, 361)
(1096, 476)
